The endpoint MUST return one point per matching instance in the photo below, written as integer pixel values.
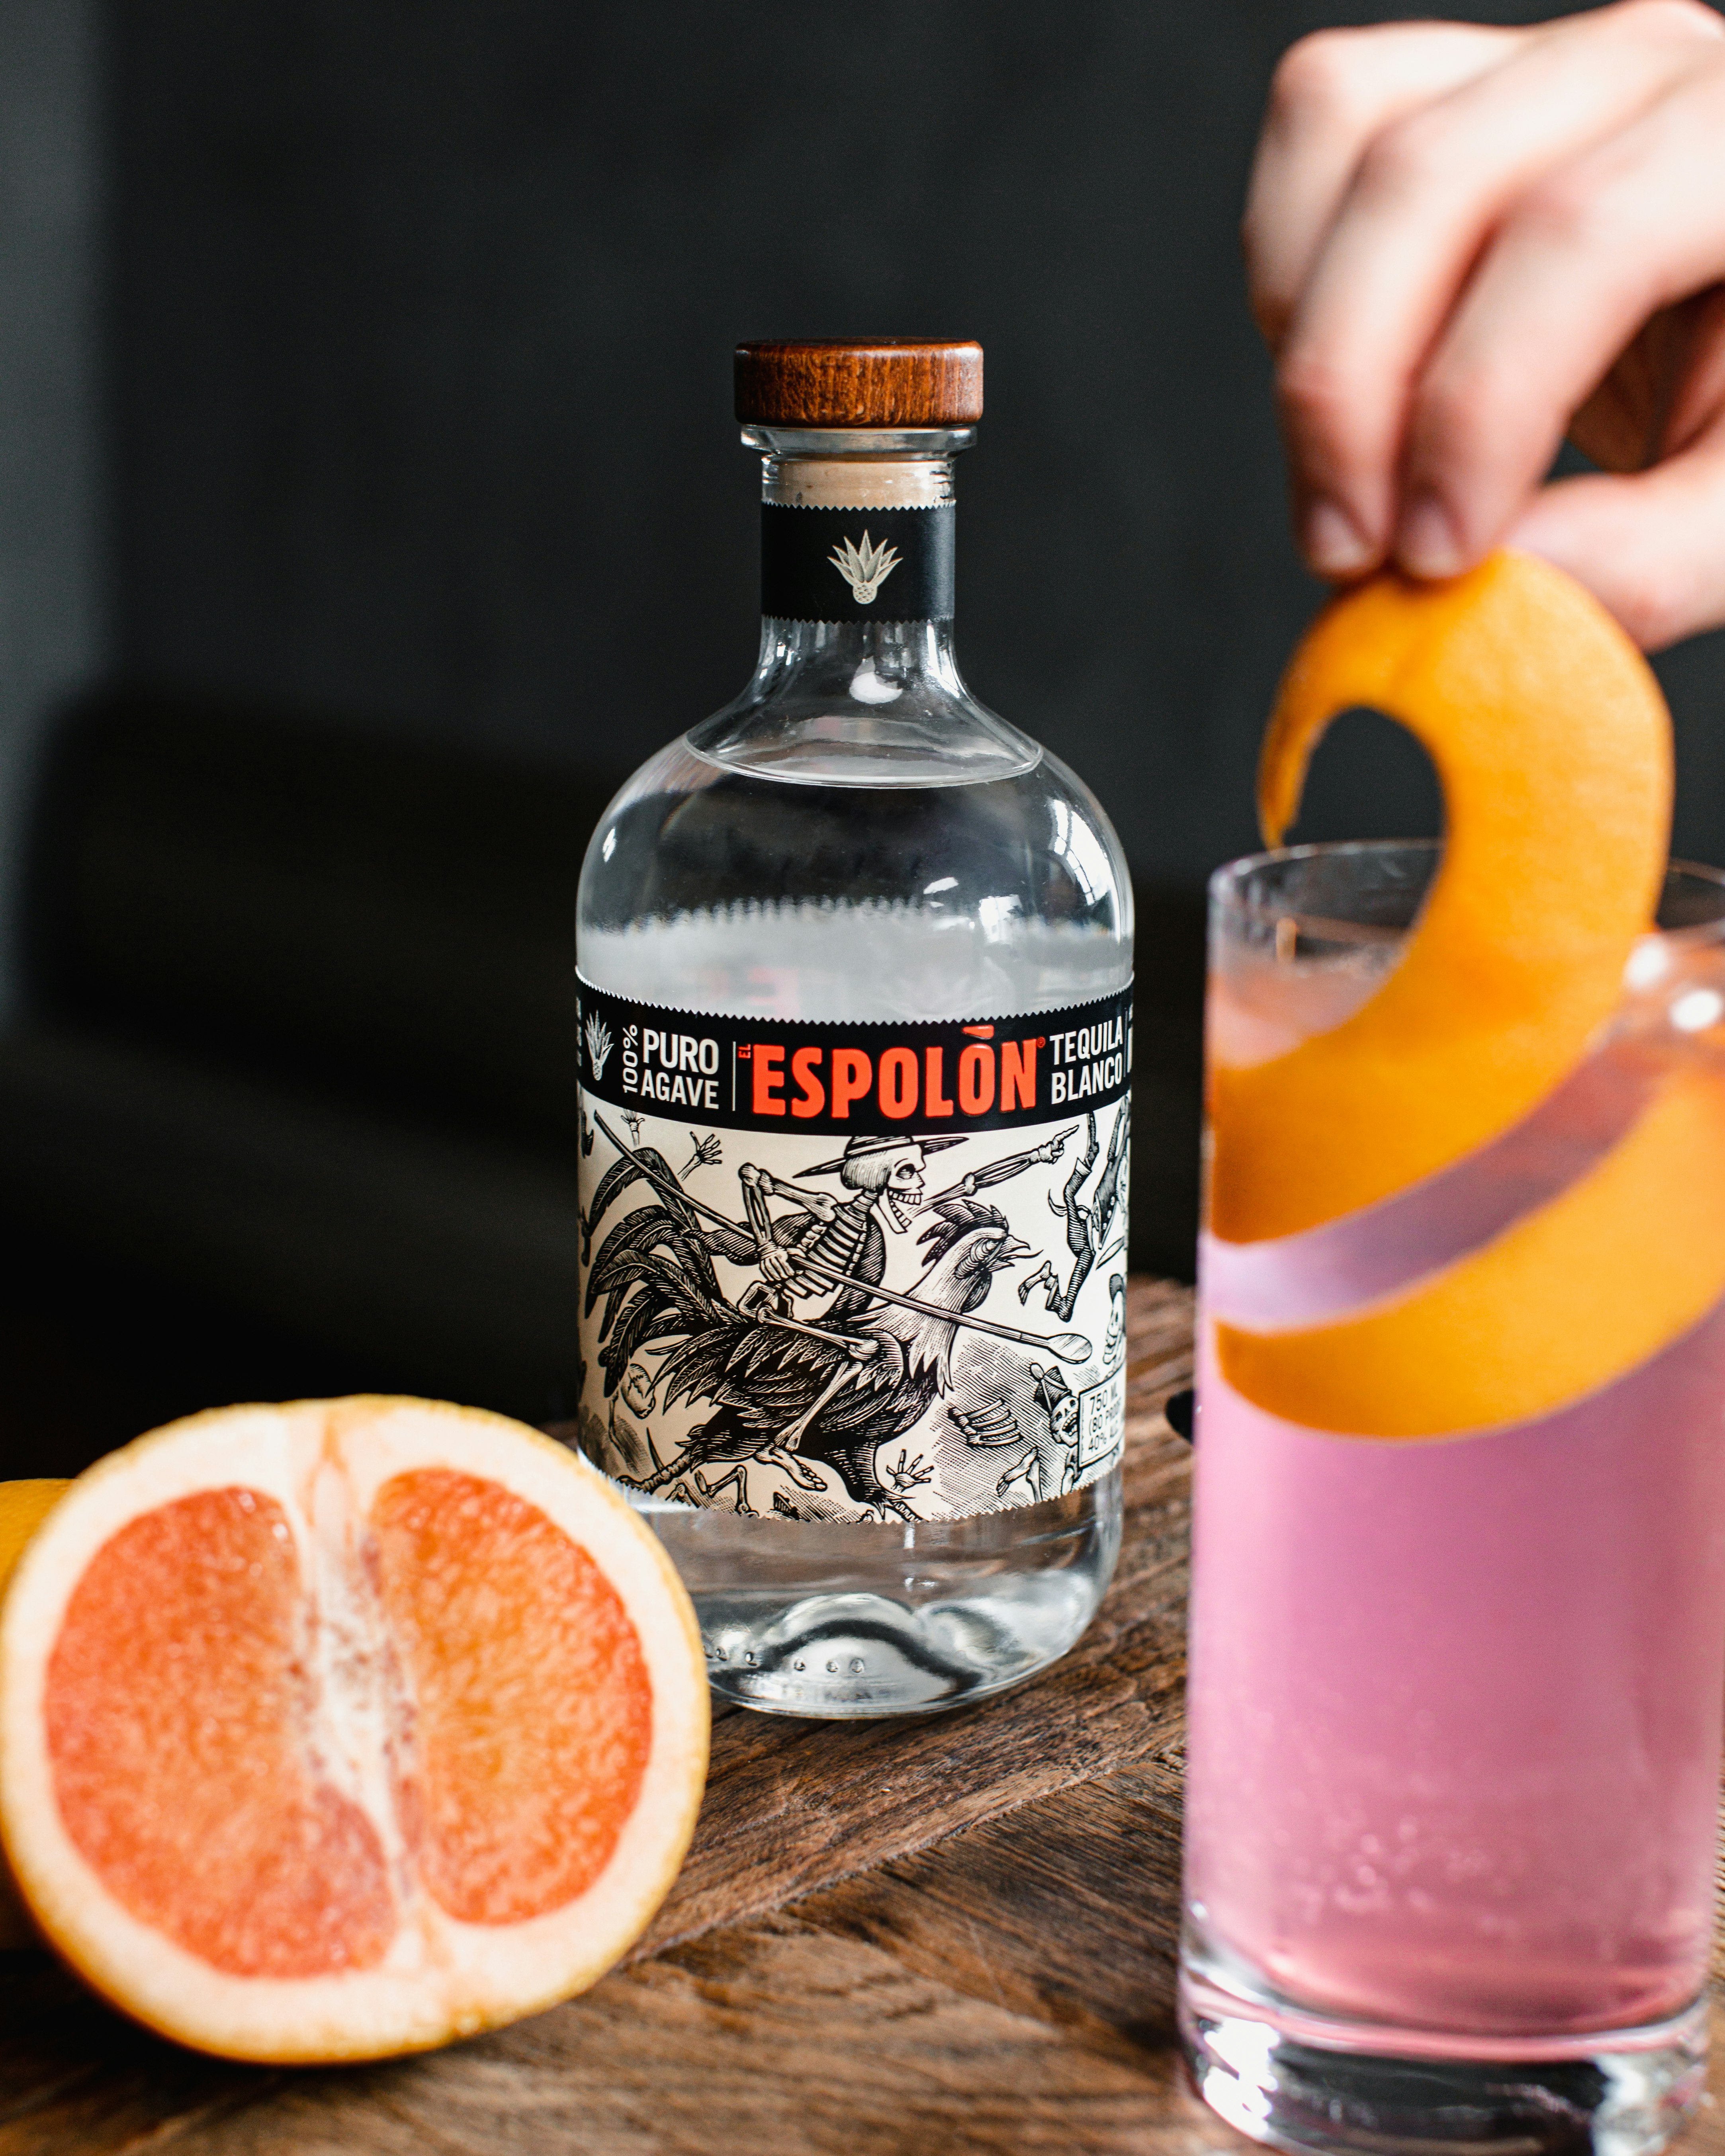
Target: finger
(1618, 425)
(1333, 92)
(1577, 267)
(1650, 547)
(1698, 391)
(1429, 190)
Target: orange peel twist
(1551, 742)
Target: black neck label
(855, 1080)
(857, 564)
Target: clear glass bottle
(855, 838)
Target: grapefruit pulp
(342, 1728)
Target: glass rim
(1226, 885)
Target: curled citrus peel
(1577, 1293)
(1552, 745)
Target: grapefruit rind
(325, 1462)
(1552, 745)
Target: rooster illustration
(783, 1392)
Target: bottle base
(1296, 2079)
(847, 1622)
(846, 1657)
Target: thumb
(1649, 545)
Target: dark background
(419, 479)
(420, 319)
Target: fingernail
(1428, 544)
(1335, 545)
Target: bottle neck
(857, 690)
(874, 664)
(857, 550)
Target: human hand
(1464, 243)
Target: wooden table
(946, 1935)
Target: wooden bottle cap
(861, 382)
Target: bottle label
(853, 1272)
(857, 564)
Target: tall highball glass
(1454, 1704)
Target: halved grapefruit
(343, 1729)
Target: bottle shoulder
(685, 830)
(845, 718)
(719, 888)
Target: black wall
(419, 343)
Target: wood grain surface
(948, 1934)
(888, 381)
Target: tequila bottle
(855, 963)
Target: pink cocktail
(1455, 1705)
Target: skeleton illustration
(886, 1176)
(992, 1424)
(708, 1152)
(865, 568)
(1087, 1225)
(813, 1372)
(1002, 1171)
(1035, 1477)
(816, 1364)
(798, 1397)
(1019, 1484)
(1114, 1343)
(1059, 1403)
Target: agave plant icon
(598, 1045)
(865, 568)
